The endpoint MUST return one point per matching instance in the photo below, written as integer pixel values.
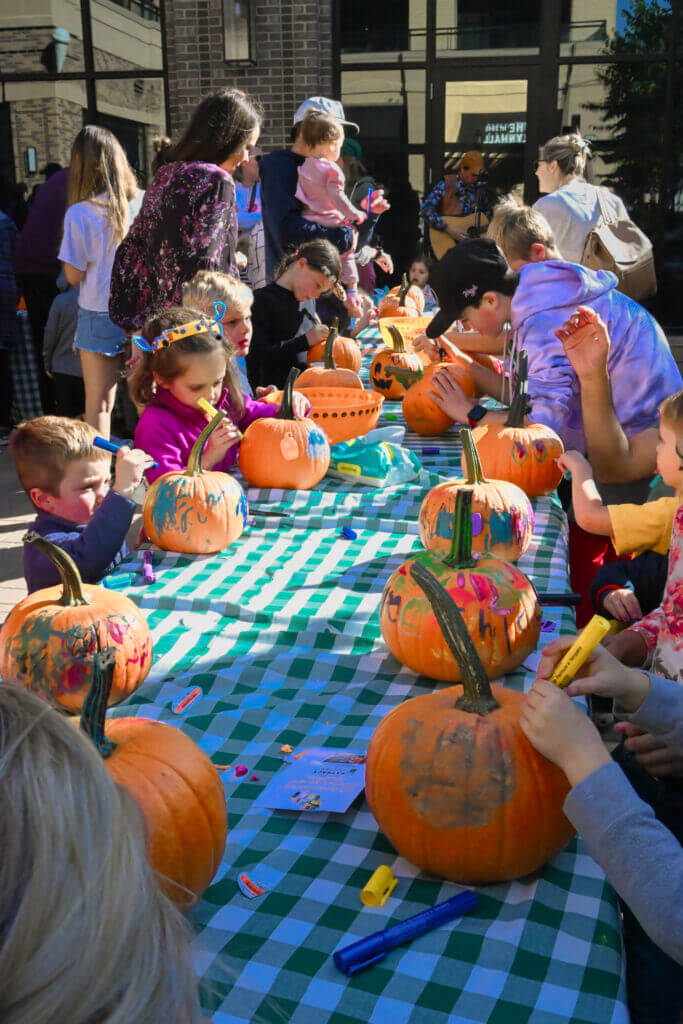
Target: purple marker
(369, 201)
(109, 446)
(148, 573)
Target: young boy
(67, 480)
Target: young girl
(321, 188)
(279, 312)
(103, 201)
(187, 358)
(418, 274)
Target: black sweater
(276, 345)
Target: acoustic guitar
(474, 224)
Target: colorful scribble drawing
(519, 452)
(242, 509)
(317, 445)
(540, 451)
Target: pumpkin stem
(520, 404)
(460, 555)
(396, 338)
(475, 474)
(329, 345)
(286, 412)
(94, 709)
(477, 698)
(194, 463)
(72, 584)
(403, 291)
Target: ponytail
(569, 151)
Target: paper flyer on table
(320, 779)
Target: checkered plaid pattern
(281, 633)
(26, 401)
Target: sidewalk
(16, 515)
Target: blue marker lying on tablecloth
(109, 446)
(375, 947)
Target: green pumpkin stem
(477, 698)
(332, 336)
(286, 411)
(475, 474)
(194, 463)
(403, 291)
(396, 338)
(520, 403)
(93, 712)
(72, 584)
(460, 555)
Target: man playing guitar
(458, 205)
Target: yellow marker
(379, 888)
(580, 651)
(207, 408)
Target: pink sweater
(321, 190)
(168, 429)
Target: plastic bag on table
(376, 463)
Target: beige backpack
(616, 244)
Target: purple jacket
(38, 243)
(168, 429)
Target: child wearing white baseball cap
(323, 105)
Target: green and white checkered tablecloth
(281, 633)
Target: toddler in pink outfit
(321, 185)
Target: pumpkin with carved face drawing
(382, 380)
(282, 451)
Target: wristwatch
(476, 413)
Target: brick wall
(291, 49)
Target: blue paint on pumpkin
(165, 507)
(317, 445)
(444, 525)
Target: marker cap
(379, 888)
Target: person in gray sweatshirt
(641, 857)
(61, 362)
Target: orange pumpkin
(452, 780)
(329, 375)
(502, 516)
(406, 300)
(49, 639)
(283, 451)
(523, 454)
(498, 602)
(420, 411)
(346, 352)
(174, 784)
(195, 511)
(382, 379)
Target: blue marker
(108, 446)
(369, 201)
(375, 947)
(655, 482)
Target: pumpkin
(346, 352)
(453, 782)
(420, 411)
(49, 639)
(523, 454)
(174, 784)
(329, 375)
(195, 511)
(499, 605)
(283, 451)
(385, 383)
(502, 516)
(406, 300)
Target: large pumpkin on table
(282, 451)
(499, 605)
(420, 411)
(452, 780)
(382, 378)
(329, 375)
(48, 641)
(502, 516)
(346, 351)
(196, 511)
(522, 453)
(173, 782)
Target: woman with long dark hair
(188, 220)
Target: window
(237, 30)
(382, 30)
(494, 25)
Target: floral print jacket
(188, 222)
(467, 194)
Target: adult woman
(571, 205)
(188, 221)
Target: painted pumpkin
(452, 780)
(498, 602)
(345, 350)
(329, 375)
(283, 451)
(523, 454)
(420, 411)
(196, 511)
(174, 784)
(403, 301)
(502, 516)
(381, 379)
(49, 639)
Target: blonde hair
(44, 448)
(86, 935)
(317, 127)
(515, 228)
(99, 164)
(671, 410)
(570, 152)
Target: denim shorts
(96, 333)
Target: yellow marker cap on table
(565, 670)
(379, 888)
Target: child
(321, 189)
(67, 481)
(61, 362)
(185, 358)
(103, 201)
(418, 274)
(104, 944)
(278, 344)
